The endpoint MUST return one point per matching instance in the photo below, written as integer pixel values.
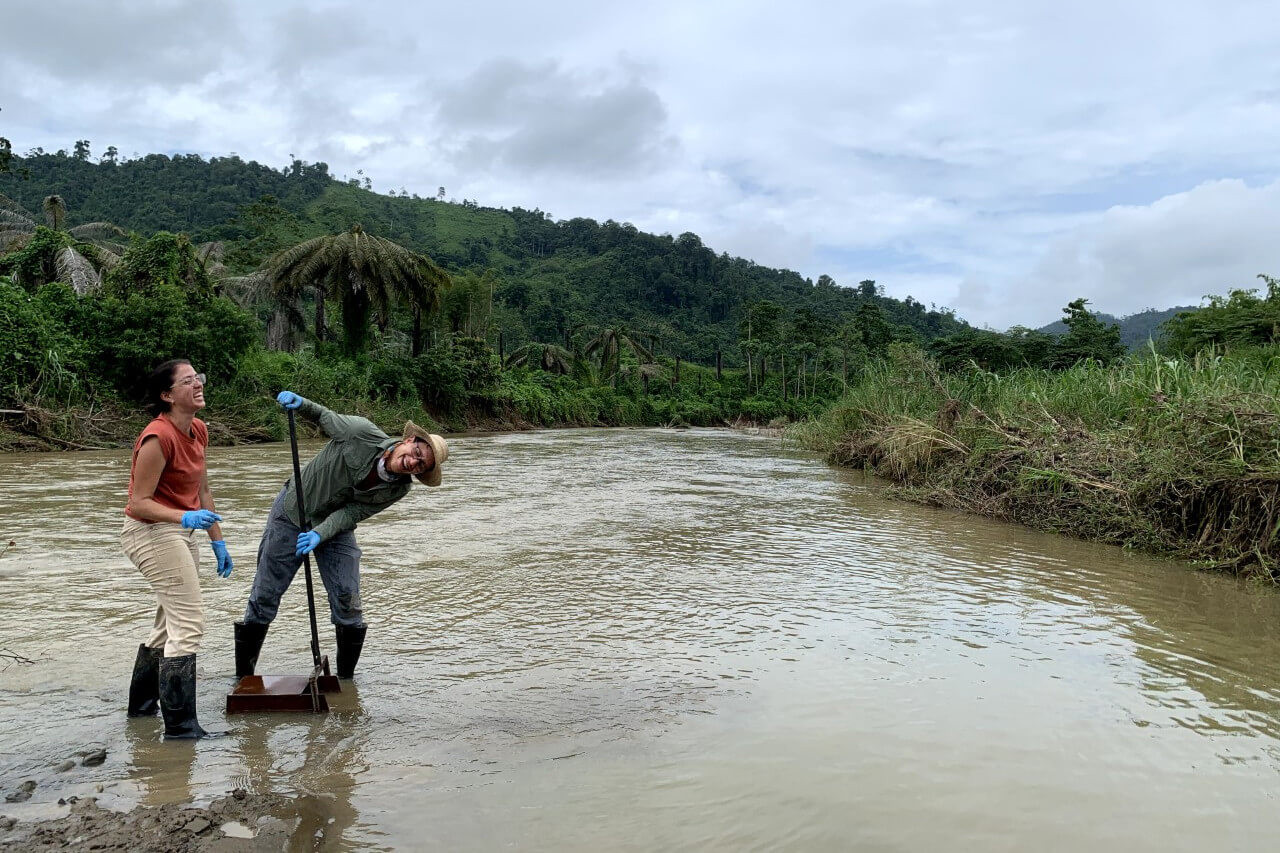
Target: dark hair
(161, 380)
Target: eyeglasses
(190, 380)
(417, 458)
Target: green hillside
(1135, 329)
(547, 279)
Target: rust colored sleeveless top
(179, 486)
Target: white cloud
(990, 156)
(514, 118)
(1211, 239)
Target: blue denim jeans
(338, 560)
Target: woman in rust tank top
(169, 500)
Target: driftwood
(14, 657)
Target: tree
(762, 320)
(55, 212)
(6, 159)
(548, 357)
(875, 332)
(158, 303)
(16, 222)
(809, 327)
(366, 274)
(1087, 338)
(975, 347)
(607, 347)
(77, 256)
(468, 306)
(1241, 318)
(164, 258)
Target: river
(662, 640)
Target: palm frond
(213, 251)
(12, 239)
(364, 273)
(16, 219)
(649, 369)
(99, 232)
(108, 259)
(10, 210)
(246, 290)
(76, 270)
(548, 357)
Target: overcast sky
(999, 158)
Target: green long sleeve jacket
(329, 480)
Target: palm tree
(645, 372)
(367, 274)
(607, 347)
(548, 357)
(286, 324)
(79, 256)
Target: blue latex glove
(288, 399)
(307, 543)
(224, 559)
(200, 519)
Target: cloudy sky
(997, 157)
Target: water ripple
(566, 596)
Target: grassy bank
(1176, 457)
(447, 392)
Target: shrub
(42, 356)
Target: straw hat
(439, 447)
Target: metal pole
(304, 525)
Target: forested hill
(1135, 329)
(548, 278)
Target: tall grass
(1178, 456)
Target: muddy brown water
(657, 640)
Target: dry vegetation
(1179, 457)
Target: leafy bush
(392, 378)
(441, 381)
(42, 355)
(1240, 319)
(134, 333)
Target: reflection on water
(654, 639)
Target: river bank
(35, 429)
(1173, 458)
(247, 414)
(103, 427)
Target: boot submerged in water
(178, 698)
(350, 640)
(249, 639)
(144, 686)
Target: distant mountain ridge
(1135, 329)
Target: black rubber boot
(178, 698)
(144, 686)
(350, 642)
(249, 637)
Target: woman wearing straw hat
(361, 471)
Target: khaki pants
(167, 556)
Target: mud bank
(240, 821)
